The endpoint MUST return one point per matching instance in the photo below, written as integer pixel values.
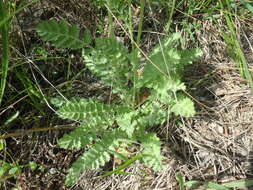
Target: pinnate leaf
(126, 124)
(183, 107)
(109, 61)
(81, 109)
(80, 137)
(95, 157)
(152, 151)
(61, 34)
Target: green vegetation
(210, 185)
(9, 170)
(132, 67)
(5, 47)
(234, 46)
(143, 100)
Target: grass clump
(233, 43)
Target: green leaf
(188, 56)
(164, 58)
(86, 109)
(168, 61)
(224, 186)
(125, 123)
(193, 184)
(247, 5)
(152, 151)
(14, 170)
(216, 186)
(12, 118)
(80, 137)
(87, 37)
(57, 101)
(166, 90)
(183, 107)
(61, 34)
(41, 168)
(2, 144)
(33, 165)
(4, 167)
(109, 61)
(181, 181)
(152, 114)
(241, 183)
(95, 157)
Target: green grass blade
(171, 12)
(30, 89)
(181, 181)
(12, 118)
(193, 184)
(124, 173)
(119, 155)
(224, 186)
(235, 46)
(247, 5)
(8, 17)
(5, 18)
(123, 166)
(216, 186)
(5, 48)
(246, 183)
(2, 144)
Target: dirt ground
(214, 145)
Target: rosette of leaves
(106, 128)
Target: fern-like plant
(145, 98)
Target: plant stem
(130, 24)
(25, 132)
(131, 35)
(141, 22)
(167, 27)
(110, 18)
(5, 48)
(136, 52)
